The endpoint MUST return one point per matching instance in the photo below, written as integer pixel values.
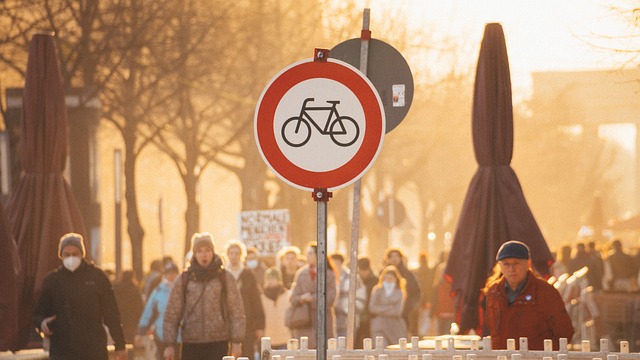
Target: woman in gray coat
(304, 290)
(385, 307)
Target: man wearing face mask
(75, 301)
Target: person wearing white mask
(252, 262)
(75, 300)
(386, 305)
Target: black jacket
(81, 301)
(253, 310)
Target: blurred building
(595, 102)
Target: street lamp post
(117, 157)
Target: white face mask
(388, 286)
(252, 264)
(71, 263)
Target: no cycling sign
(319, 124)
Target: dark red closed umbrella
(42, 207)
(10, 269)
(494, 210)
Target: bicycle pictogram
(343, 130)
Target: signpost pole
(355, 224)
(321, 196)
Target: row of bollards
(445, 348)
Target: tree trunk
(192, 214)
(134, 228)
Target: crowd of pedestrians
(224, 302)
(607, 265)
(392, 302)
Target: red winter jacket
(538, 313)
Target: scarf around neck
(202, 273)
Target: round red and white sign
(319, 124)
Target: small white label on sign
(398, 95)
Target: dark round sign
(388, 71)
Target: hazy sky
(541, 35)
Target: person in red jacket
(519, 304)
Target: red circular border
(265, 134)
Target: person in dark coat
(620, 272)
(75, 301)
(130, 304)
(395, 257)
(250, 293)
(369, 279)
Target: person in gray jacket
(206, 306)
(386, 305)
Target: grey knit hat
(71, 239)
(202, 239)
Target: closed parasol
(41, 208)
(494, 210)
(10, 269)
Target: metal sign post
(314, 155)
(321, 197)
(355, 224)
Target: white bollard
(456, 357)
(383, 357)
(304, 343)
(501, 357)
(332, 344)
(548, 345)
(547, 358)
(228, 358)
(336, 357)
(563, 344)
(293, 344)
(367, 344)
(624, 347)
(471, 356)
(342, 343)
(438, 344)
(486, 343)
(242, 358)
(524, 344)
(413, 357)
(563, 356)
(451, 344)
(427, 357)
(612, 357)
(265, 344)
(402, 343)
(516, 356)
(475, 345)
(586, 346)
(604, 345)
(511, 344)
(379, 343)
(276, 357)
(290, 357)
(369, 357)
(415, 343)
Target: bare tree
(108, 47)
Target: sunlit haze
(541, 35)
